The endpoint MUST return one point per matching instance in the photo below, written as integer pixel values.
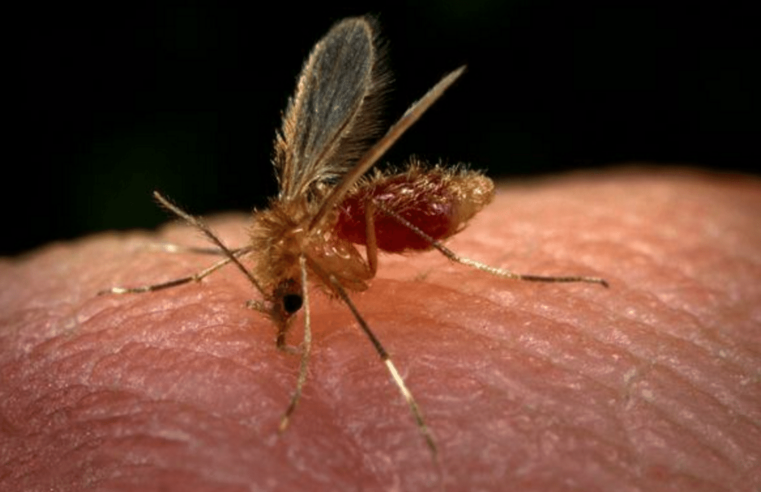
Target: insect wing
(332, 119)
(381, 146)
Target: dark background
(111, 101)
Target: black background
(111, 101)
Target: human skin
(653, 384)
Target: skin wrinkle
(661, 403)
(703, 349)
(652, 384)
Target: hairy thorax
(281, 234)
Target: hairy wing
(332, 118)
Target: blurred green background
(111, 101)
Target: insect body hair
(280, 236)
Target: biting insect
(327, 206)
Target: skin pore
(652, 384)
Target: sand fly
(328, 204)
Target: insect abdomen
(438, 201)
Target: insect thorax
(281, 234)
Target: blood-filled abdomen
(436, 200)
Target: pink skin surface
(650, 385)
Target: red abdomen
(438, 201)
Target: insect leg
(483, 266)
(181, 249)
(201, 226)
(305, 350)
(371, 243)
(398, 380)
(178, 281)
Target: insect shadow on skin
(327, 206)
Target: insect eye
(290, 297)
(292, 303)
